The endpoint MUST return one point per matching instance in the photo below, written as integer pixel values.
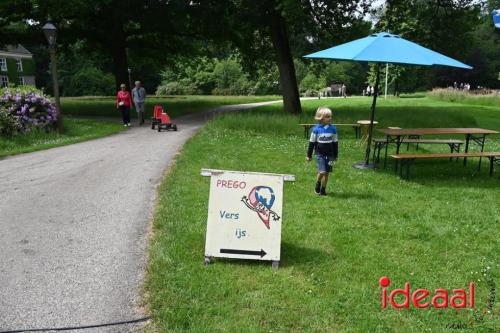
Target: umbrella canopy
(380, 48)
(387, 48)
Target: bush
(311, 93)
(312, 82)
(25, 108)
(481, 97)
(90, 81)
(184, 87)
(230, 79)
(8, 124)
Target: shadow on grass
(294, 255)
(448, 173)
(353, 195)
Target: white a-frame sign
(244, 215)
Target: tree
(119, 29)
(284, 28)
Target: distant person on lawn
(123, 103)
(325, 144)
(139, 97)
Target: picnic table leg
(491, 165)
(387, 139)
(399, 141)
(482, 149)
(378, 153)
(396, 166)
(385, 154)
(305, 132)
(408, 169)
(454, 147)
(467, 139)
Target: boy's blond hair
(322, 112)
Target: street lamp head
(50, 32)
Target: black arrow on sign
(260, 253)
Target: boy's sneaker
(322, 191)
(317, 188)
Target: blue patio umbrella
(496, 18)
(384, 48)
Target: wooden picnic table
(476, 135)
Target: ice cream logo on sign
(260, 200)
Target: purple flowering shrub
(23, 109)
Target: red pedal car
(162, 120)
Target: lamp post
(50, 32)
(129, 78)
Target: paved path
(73, 227)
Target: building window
(21, 81)
(3, 64)
(5, 81)
(19, 64)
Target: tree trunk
(288, 81)
(118, 51)
(120, 67)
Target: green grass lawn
(173, 105)
(440, 229)
(75, 130)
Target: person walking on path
(344, 91)
(123, 103)
(325, 144)
(139, 97)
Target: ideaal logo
(260, 200)
(423, 298)
(461, 298)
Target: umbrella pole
(366, 163)
(370, 132)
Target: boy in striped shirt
(325, 145)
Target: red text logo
(423, 298)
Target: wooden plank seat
(307, 128)
(379, 144)
(407, 159)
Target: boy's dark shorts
(325, 163)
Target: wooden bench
(494, 158)
(307, 127)
(381, 143)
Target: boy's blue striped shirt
(323, 140)
(323, 134)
